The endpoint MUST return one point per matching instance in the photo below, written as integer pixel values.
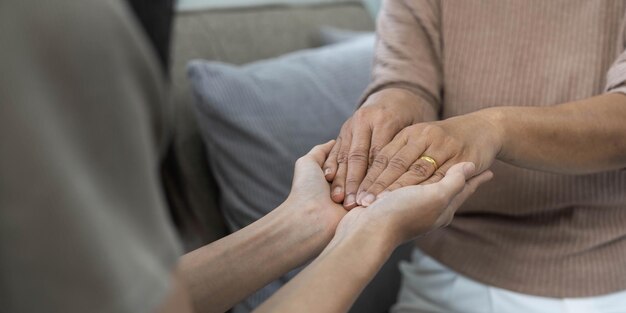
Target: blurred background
(371, 5)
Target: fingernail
(327, 172)
(359, 195)
(382, 194)
(350, 200)
(368, 199)
(337, 191)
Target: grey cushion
(258, 119)
(331, 35)
(189, 5)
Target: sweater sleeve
(408, 50)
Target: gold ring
(429, 160)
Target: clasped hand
(384, 147)
(402, 215)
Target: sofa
(241, 35)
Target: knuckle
(358, 157)
(352, 181)
(380, 161)
(361, 114)
(398, 164)
(398, 184)
(375, 150)
(342, 157)
(419, 169)
(380, 185)
(338, 143)
(432, 129)
(382, 118)
(454, 144)
(367, 181)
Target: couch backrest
(238, 36)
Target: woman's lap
(430, 287)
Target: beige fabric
(527, 231)
(83, 225)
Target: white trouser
(429, 287)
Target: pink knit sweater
(528, 231)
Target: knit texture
(527, 231)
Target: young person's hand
(365, 238)
(408, 212)
(364, 135)
(310, 190)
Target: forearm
(575, 138)
(225, 272)
(333, 281)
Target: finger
(330, 166)
(379, 165)
(419, 171)
(439, 174)
(357, 163)
(381, 137)
(397, 166)
(339, 181)
(480, 179)
(320, 153)
(469, 189)
(443, 160)
(455, 178)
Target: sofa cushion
(331, 35)
(259, 118)
(189, 5)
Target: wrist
(403, 99)
(495, 118)
(368, 227)
(369, 241)
(308, 221)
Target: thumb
(319, 153)
(455, 178)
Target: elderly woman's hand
(422, 153)
(362, 136)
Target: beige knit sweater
(528, 231)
